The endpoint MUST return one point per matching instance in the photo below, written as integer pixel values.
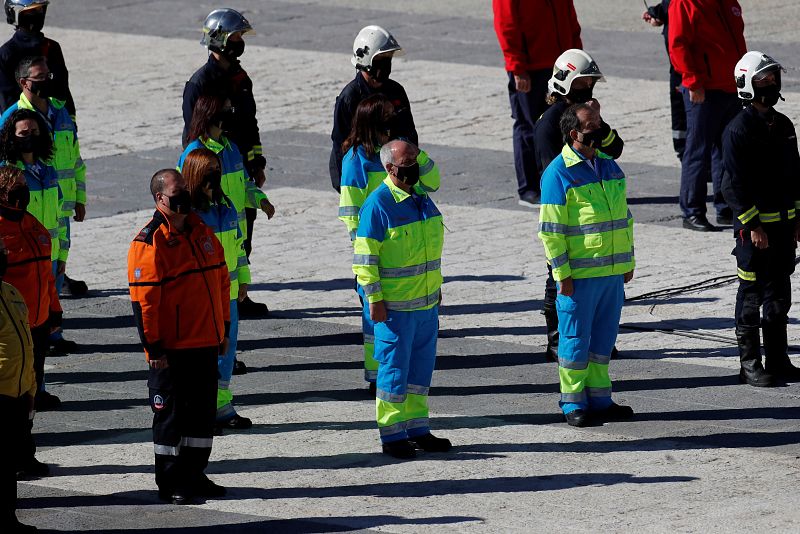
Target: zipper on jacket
(21, 342)
(208, 289)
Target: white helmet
(372, 41)
(573, 63)
(752, 67)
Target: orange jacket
(30, 269)
(179, 286)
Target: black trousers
(765, 290)
(526, 108)
(183, 398)
(250, 214)
(41, 344)
(14, 454)
(550, 292)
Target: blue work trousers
(526, 108)
(225, 408)
(368, 329)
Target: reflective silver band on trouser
(572, 364)
(679, 134)
(599, 358)
(420, 422)
(371, 289)
(558, 261)
(574, 397)
(402, 426)
(166, 450)
(225, 412)
(370, 376)
(365, 259)
(598, 392)
(369, 338)
(411, 270)
(223, 384)
(390, 397)
(401, 305)
(197, 443)
(414, 389)
(348, 211)
(603, 261)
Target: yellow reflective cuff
(797, 204)
(746, 275)
(790, 214)
(748, 215)
(609, 138)
(770, 217)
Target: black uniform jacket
(346, 104)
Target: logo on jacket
(44, 239)
(137, 273)
(158, 402)
(208, 246)
(736, 11)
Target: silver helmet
(220, 24)
(13, 7)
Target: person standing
(658, 15)
(17, 391)
(532, 35)
(373, 50)
(180, 294)
(587, 233)
(223, 76)
(761, 184)
(706, 39)
(363, 173)
(203, 174)
(397, 262)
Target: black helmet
(220, 24)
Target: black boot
(752, 372)
(776, 353)
(551, 320)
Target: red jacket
(533, 33)
(30, 269)
(706, 40)
(180, 286)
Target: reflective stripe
(198, 443)
(65, 173)
(413, 270)
(553, 228)
(389, 397)
(53, 233)
(79, 162)
(242, 261)
(166, 450)
(748, 215)
(425, 169)
(599, 358)
(572, 364)
(68, 205)
(370, 376)
(400, 305)
(603, 261)
(630, 215)
(596, 228)
(223, 384)
(574, 397)
(770, 217)
(234, 275)
(353, 235)
(746, 275)
(417, 390)
(679, 134)
(349, 211)
(80, 186)
(369, 338)
(240, 215)
(225, 412)
(558, 261)
(371, 289)
(421, 422)
(598, 392)
(392, 429)
(790, 214)
(365, 259)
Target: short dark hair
(25, 64)
(570, 121)
(157, 181)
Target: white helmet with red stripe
(573, 63)
(752, 67)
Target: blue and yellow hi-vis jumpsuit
(587, 232)
(362, 173)
(397, 260)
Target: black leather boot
(551, 320)
(776, 353)
(752, 372)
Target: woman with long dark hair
(373, 126)
(211, 116)
(203, 174)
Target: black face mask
(380, 70)
(19, 197)
(768, 95)
(43, 89)
(3, 264)
(181, 203)
(31, 20)
(26, 145)
(593, 139)
(580, 96)
(223, 119)
(234, 49)
(408, 175)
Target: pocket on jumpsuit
(386, 339)
(567, 318)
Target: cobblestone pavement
(703, 454)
